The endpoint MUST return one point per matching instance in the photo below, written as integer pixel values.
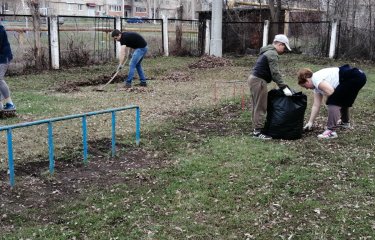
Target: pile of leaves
(211, 62)
(177, 77)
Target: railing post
(55, 55)
(113, 133)
(51, 149)
(165, 36)
(265, 32)
(138, 126)
(332, 46)
(10, 158)
(84, 138)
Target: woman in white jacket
(341, 86)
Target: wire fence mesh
(183, 37)
(150, 29)
(310, 38)
(242, 37)
(21, 37)
(85, 40)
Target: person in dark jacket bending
(266, 69)
(138, 43)
(6, 56)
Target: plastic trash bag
(285, 115)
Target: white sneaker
(328, 134)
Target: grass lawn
(198, 174)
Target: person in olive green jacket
(266, 69)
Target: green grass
(218, 182)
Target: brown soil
(36, 188)
(70, 86)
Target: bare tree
(35, 14)
(275, 16)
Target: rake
(101, 89)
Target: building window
(115, 8)
(80, 7)
(140, 9)
(100, 8)
(4, 7)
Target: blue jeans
(135, 63)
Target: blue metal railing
(84, 135)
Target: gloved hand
(308, 126)
(119, 67)
(287, 91)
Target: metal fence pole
(138, 126)
(10, 157)
(51, 149)
(84, 138)
(113, 133)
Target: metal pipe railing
(49, 122)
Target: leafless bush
(77, 54)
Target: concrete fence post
(54, 42)
(118, 27)
(266, 28)
(207, 37)
(216, 45)
(332, 45)
(165, 36)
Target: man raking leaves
(139, 45)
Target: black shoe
(143, 84)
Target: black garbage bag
(285, 115)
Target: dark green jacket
(267, 66)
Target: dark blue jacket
(5, 52)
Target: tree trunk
(35, 14)
(276, 27)
(179, 29)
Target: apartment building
(113, 8)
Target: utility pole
(216, 27)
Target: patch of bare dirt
(35, 188)
(74, 86)
(178, 77)
(208, 61)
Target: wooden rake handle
(110, 80)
